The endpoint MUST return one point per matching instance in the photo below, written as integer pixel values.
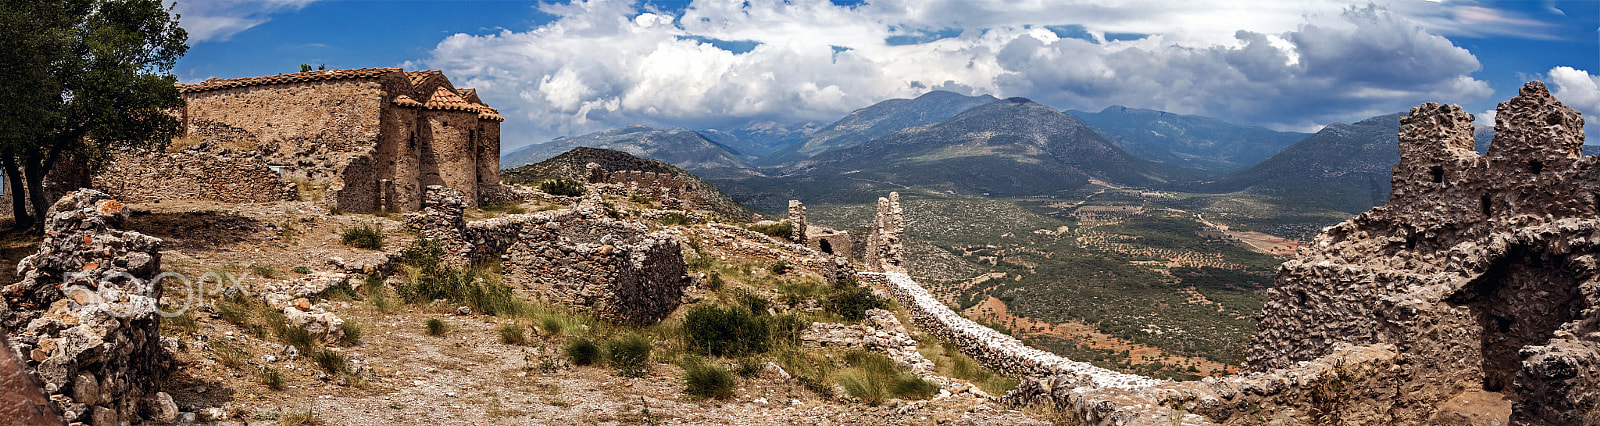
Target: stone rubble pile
(85, 316)
(885, 335)
(294, 296)
(576, 256)
(751, 244)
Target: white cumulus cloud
(1293, 65)
(208, 20)
(1577, 89)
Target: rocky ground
(403, 375)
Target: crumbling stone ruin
(1471, 298)
(882, 333)
(375, 137)
(819, 238)
(1482, 269)
(672, 191)
(575, 256)
(751, 244)
(888, 231)
(85, 315)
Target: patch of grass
(364, 236)
(511, 334)
(298, 337)
(305, 417)
(507, 207)
(812, 370)
(332, 362)
(714, 282)
(265, 270)
(873, 378)
(782, 230)
(748, 367)
(302, 270)
(435, 327)
(582, 351)
(272, 378)
(675, 218)
(706, 380)
(950, 362)
(780, 268)
(377, 292)
(562, 186)
(353, 330)
(629, 355)
(229, 354)
(182, 322)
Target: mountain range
(878, 120)
(1187, 140)
(679, 146)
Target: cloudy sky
(568, 68)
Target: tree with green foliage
(82, 78)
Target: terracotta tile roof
(299, 77)
(470, 94)
(487, 113)
(417, 77)
(406, 101)
(445, 99)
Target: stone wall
(145, 176)
(85, 314)
(577, 256)
(1481, 268)
(884, 243)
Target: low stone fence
(997, 350)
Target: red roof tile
(299, 77)
(406, 101)
(487, 113)
(445, 99)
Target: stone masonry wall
(141, 177)
(1482, 269)
(85, 314)
(576, 256)
(884, 243)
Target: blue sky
(566, 68)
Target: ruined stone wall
(488, 153)
(147, 176)
(884, 243)
(751, 244)
(1481, 268)
(448, 155)
(85, 314)
(308, 129)
(576, 256)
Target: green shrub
(852, 303)
(430, 278)
(435, 327)
(583, 351)
(629, 355)
(562, 186)
(339, 291)
(782, 229)
(719, 331)
(511, 334)
(748, 367)
(364, 236)
(264, 270)
(302, 270)
(705, 380)
(753, 303)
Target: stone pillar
(884, 244)
(1436, 148)
(797, 216)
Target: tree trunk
(19, 192)
(35, 175)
